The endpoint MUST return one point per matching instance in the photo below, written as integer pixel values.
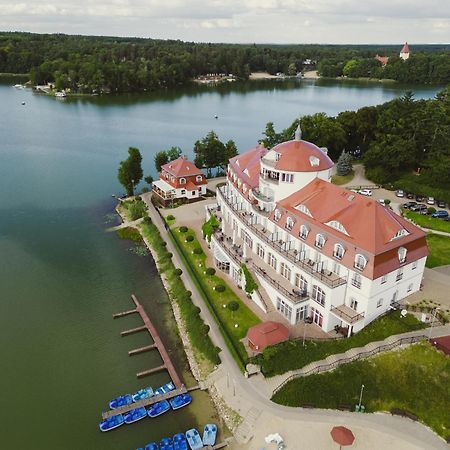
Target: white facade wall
(183, 193)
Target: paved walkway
(302, 429)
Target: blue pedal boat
(151, 446)
(165, 388)
(166, 444)
(122, 400)
(209, 434)
(142, 394)
(180, 400)
(194, 439)
(158, 408)
(180, 442)
(111, 422)
(134, 415)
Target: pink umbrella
(342, 436)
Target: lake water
(62, 277)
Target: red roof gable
(405, 48)
(181, 167)
(247, 166)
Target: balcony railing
(345, 313)
(260, 196)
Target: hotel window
(247, 239)
(318, 295)
(410, 287)
(285, 271)
(277, 215)
(301, 282)
(277, 156)
(338, 251)
(414, 265)
(354, 304)
(383, 279)
(399, 274)
(357, 280)
(287, 177)
(304, 232)
(260, 251)
(272, 261)
(301, 313)
(182, 180)
(183, 191)
(320, 240)
(360, 262)
(244, 188)
(289, 223)
(379, 302)
(402, 254)
(284, 309)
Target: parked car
(409, 205)
(417, 207)
(441, 204)
(441, 214)
(400, 193)
(366, 192)
(381, 200)
(424, 210)
(430, 201)
(409, 195)
(420, 198)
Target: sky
(242, 21)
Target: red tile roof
(181, 167)
(295, 157)
(405, 48)
(247, 166)
(267, 333)
(382, 59)
(370, 227)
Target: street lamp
(360, 397)
(433, 318)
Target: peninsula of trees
(88, 64)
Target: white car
(400, 193)
(430, 201)
(382, 201)
(366, 192)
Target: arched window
(239, 182)
(320, 240)
(277, 215)
(182, 180)
(337, 226)
(314, 161)
(289, 223)
(244, 188)
(400, 233)
(338, 251)
(304, 230)
(357, 280)
(402, 254)
(301, 282)
(360, 262)
(318, 295)
(199, 178)
(304, 210)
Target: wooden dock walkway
(133, 330)
(125, 313)
(146, 348)
(144, 373)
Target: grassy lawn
(290, 355)
(129, 233)
(427, 221)
(415, 379)
(342, 179)
(439, 247)
(217, 302)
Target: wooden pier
(144, 373)
(125, 313)
(133, 330)
(136, 351)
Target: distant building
(404, 52)
(382, 59)
(180, 179)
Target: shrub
(170, 217)
(144, 190)
(189, 238)
(431, 210)
(183, 229)
(387, 201)
(147, 220)
(198, 251)
(220, 288)
(137, 209)
(178, 272)
(233, 305)
(196, 310)
(164, 243)
(188, 294)
(210, 271)
(204, 329)
(209, 227)
(169, 255)
(250, 283)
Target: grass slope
(439, 247)
(427, 221)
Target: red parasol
(342, 436)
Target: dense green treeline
(110, 64)
(403, 143)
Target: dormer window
(239, 183)
(337, 226)
(277, 156)
(182, 180)
(199, 178)
(244, 188)
(314, 161)
(289, 223)
(400, 233)
(304, 210)
(303, 232)
(320, 240)
(402, 255)
(277, 215)
(339, 251)
(360, 262)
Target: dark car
(409, 205)
(420, 198)
(418, 207)
(440, 204)
(440, 214)
(409, 195)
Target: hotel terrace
(318, 252)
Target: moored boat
(158, 408)
(194, 439)
(142, 394)
(180, 400)
(151, 446)
(111, 422)
(134, 415)
(209, 434)
(122, 400)
(166, 444)
(180, 442)
(165, 388)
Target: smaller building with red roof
(180, 180)
(404, 52)
(267, 333)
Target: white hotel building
(317, 251)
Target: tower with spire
(404, 52)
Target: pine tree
(344, 164)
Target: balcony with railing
(347, 314)
(260, 196)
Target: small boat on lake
(122, 400)
(180, 442)
(111, 422)
(165, 388)
(194, 439)
(134, 415)
(180, 400)
(158, 408)
(209, 434)
(151, 446)
(166, 444)
(142, 394)
(60, 94)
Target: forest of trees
(110, 64)
(404, 143)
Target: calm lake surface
(62, 277)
